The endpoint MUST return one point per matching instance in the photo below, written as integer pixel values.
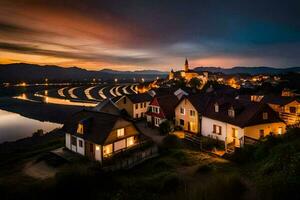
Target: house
(99, 135)
(287, 107)
(136, 105)
(233, 120)
(107, 106)
(189, 110)
(161, 108)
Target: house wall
(140, 109)
(128, 106)
(80, 150)
(186, 117)
(130, 130)
(68, 140)
(253, 131)
(226, 130)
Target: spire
(186, 65)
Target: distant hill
(32, 72)
(249, 70)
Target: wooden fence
(132, 160)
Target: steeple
(186, 65)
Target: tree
(165, 127)
(195, 83)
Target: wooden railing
(132, 160)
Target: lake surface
(14, 126)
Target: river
(14, 126)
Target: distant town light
(116, 80)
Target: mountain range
(32, 72)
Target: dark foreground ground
(268, 170)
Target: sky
(150, 34)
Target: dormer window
(120, 132)
(216, 107)
(265, 115)
(231, 112)
(80, 128)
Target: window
(145, 105)
(137, 115)
(136, 106)
(216, 107)
(141, 105)
(261, 133)
(130, 141)
(231, 112)
(265, 115)
(142, 114)
(80, 128)
(107, 149)
(192, 126)
(217, 129)
(124, 100)
(80, 143)
(74, 141)
(181, 122)
(156, 121)
(280, 130)
(292, 109)
(192, 113)
(182, 111)
(155, 109)
(120, 132)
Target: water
(14, 126)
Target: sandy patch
(39, 170)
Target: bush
(171, 142)
(205, 168)
(211, 143)
(165, 127)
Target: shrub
(205, 168)
(165, 127)
(171, 142)
(211, 143)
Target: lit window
(107, 150)
(80, 128)
(280, 130)
(265, 115)
(120, 132)
(130, 141)
(182, 111)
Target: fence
(131, 161)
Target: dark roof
(199, 101)
(279, 100)
(168, 104)
(107, 106)
(139, 98)
(97, 125)
(247, 113)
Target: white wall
(80, 150)
(68, 140)
(207, 130)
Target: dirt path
(39, 170)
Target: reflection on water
(14, 126)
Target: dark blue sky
(150, 34)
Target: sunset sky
(150, 34)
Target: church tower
(186, 65)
